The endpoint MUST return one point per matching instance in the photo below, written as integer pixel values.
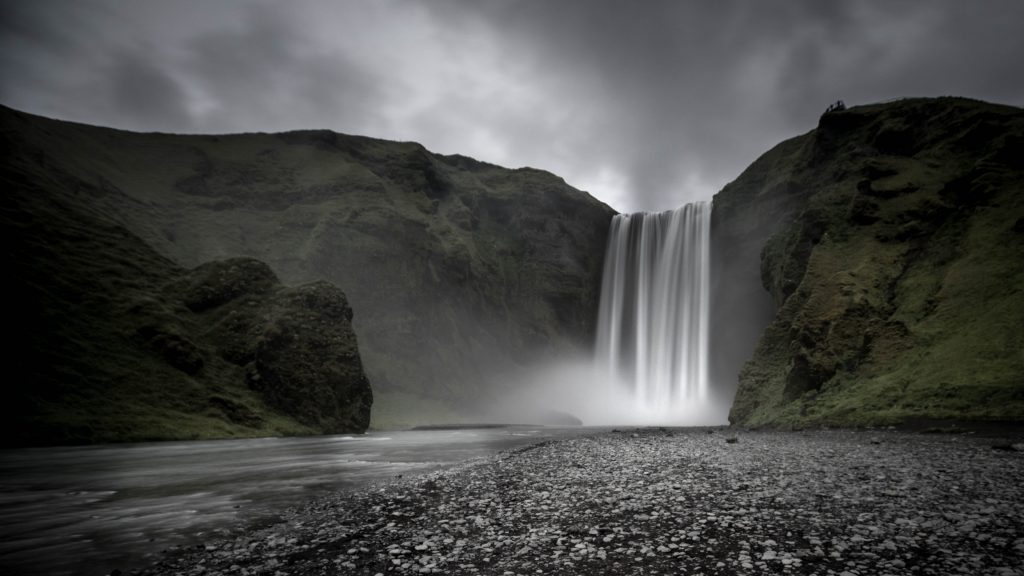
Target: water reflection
(89, 509)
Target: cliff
(106, 340)
(891, 242)
(870, 270)
(460, 272)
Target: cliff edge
(891, 242)
(106, 340)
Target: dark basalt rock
(461, 272)
(218, 283)
(307, 363)
(176, 349)
(890, 269)
(296, 344)
(112, 342)
(559, 418)
(805, 375)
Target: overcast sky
(645, 104)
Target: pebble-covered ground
(667, 502)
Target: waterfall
(653, 320)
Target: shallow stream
(91, 509)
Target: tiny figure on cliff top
(839, 106)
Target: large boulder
(296, 344)
(306, 361)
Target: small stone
(1009, 447)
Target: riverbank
(666, 502)
(86, 510)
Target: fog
(672, 332)
(583, 388)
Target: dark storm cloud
(178, 67)
(646, 104)
(47, 57)
(694, 91)
(267, 68)
(143, 95)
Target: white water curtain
(653, 319)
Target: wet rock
(826, 502)
(307, 361)
(1009, 446)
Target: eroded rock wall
(892, 252)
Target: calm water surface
(91, 509)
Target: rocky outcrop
(461, 272)
(296, 344)
(109, 341)
(887, 241)
(307, 361)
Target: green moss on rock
(109, 341)
(895, 267)
(461, 272)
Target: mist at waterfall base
(650, 362)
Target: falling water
(653, 320)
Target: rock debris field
(675, 501)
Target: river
(87, 510)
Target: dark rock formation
(296, 344)
(559, 418)
(306, 362)
(109, 341)
(461, 272)
(887, 241)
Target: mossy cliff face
(107, 340)
(460, 272)
(892, 246)
(295, 344)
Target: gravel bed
(677, 501)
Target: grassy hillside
(106, 340)
(892, 245)
(460, 272)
